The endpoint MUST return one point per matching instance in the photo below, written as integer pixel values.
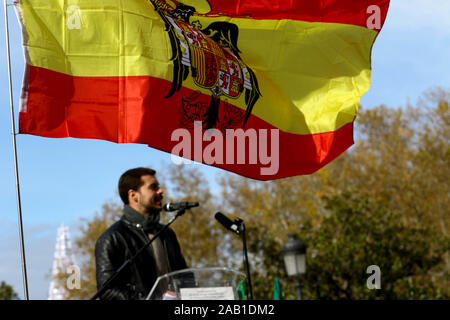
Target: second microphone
(179, 206)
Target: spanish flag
(265, 89)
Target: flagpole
(16, 167)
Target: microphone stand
(241, 225)
(129, 261)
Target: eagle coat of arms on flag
(210, 55)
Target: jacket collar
(148, 223)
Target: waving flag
(266, 89)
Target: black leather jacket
(119, 243)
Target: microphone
(227, 223)
(237, 226)
(179, 206)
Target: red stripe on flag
(338, 11)
(135, 110)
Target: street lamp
(294, 254)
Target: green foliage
(7, 292)
(359, 233)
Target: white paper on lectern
(213, 293)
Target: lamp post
(294, 254)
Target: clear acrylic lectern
(212, 283)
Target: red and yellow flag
(237, 84)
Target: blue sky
(64, 180)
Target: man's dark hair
(131, 180)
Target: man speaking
(142, 197)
